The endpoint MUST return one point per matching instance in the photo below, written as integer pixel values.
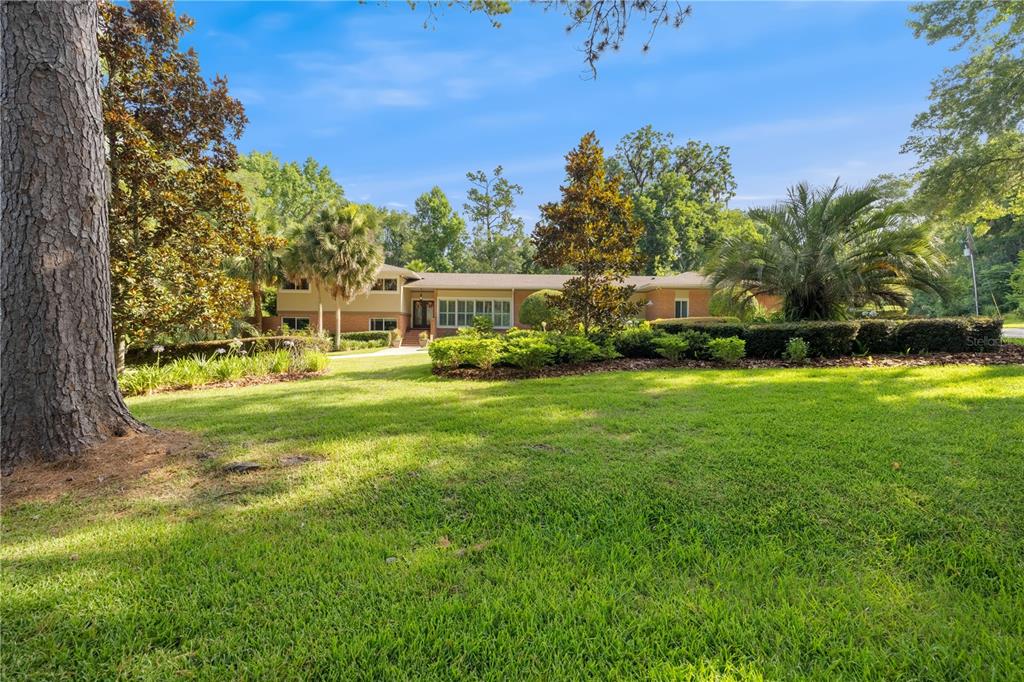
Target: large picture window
(682, 308)
(295, 323)
(289, 285)
(383, 324)
(459, 312)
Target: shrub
(365, 336)
(729, 350)
(528, 351)
(251, 345)
(483, 325)
(309, 361)
(697, 343)
(573, 349)
(951, 335)
(796, 350)
(673, 348)
(456, 351)
(228, 368)
(636, 342)
(828, 339)
(877, 336)
(538, 308)
(278, 362)
(187, 372)
(712, 328)
(346, 344)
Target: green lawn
(669, 524)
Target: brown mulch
(1007, 354)
(117, 463)
(245, 381)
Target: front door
(422, 314)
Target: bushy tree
(593, 231)
(498, 242)
(540, 308)
(395, 234)
(438, 233)
(825, 251)
(176, 217)
(679, 194)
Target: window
(295, 323)
(289, 285)
(383, 324)
(460, 312)
(385, 284)
(682, 308)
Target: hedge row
(365, 336)
(827, 339)
(251, 345)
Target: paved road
(1014, 332)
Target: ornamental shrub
(637, 341)
(714, 328)
(466, 350)
(877, 337)
(528, 351)
(827, 338)
(671, 347)
(573, 349)
(539, 308)
(365, 336)
(728, 350)
(796, 350)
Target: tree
(438, 233)
(603, 23)
(970, 142)
(594, 231)
(539, 308)
(176, 217)
(282, 198)
(337, 252)
(396, 237)
(824, 251)
(1017, 284)
(58, 383)
(679, 194)
(498, 238)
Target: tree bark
(257, 306)
(58, 385)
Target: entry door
(422, 313)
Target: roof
(481, 280)
(396, 270)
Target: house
(441, 302)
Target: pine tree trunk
(58, 385)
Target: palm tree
(826, 250)
(337, 252)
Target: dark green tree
(498, 242)
(438, 233)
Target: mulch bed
(1007, 354)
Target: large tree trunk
(58, 386)
(257, 307)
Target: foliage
(712, 327)
(679, 195)
(348, 344)
(251, 345)
(396, 238)
(364, 336)
(672, 348)
(528, 350)
(824, 251)
(337, 252)
(1017, 284)
(539, 309)
(464, 350)
(824, 338)
(593, 231)
(636, 341)
(438, 233)
(498, 242)
(483, 325)
(176, 216)
(573, 348)
(951, 335)
(970, 142)
(797, 350)
(198, 370)
(729, 350)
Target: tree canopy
(438, 233)
(498, 242)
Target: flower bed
(221, 368)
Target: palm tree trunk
(337, 326)
(257, 307)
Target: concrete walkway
(1014, 332)
(404, 350)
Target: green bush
(636, 342)
(573, 349)
(712, 328)
(729, 350)
(671, 347)
(697, 343)
(346, 344)
(949, 335)
(796, 350)
(877, 336)
(538, 308)
(251, 345)
(483, 325)
(826, 339)
(711, 319)
(309, 361)
(528, 351)
(465, 350)
(279, 362)
(228, 368)
(365, 336)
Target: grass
(675, 524)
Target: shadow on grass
(609, 525)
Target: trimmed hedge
(365, 336)
(251, 345)
(714, 329)
(877, 337)
(950, 335)
(825, 339)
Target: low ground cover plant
(796, 350)
(199, 370)
(160, 353)
(729, 350)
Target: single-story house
(441, 302)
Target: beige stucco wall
(371, 301)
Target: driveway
(1014, 332)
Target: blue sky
(798, 91)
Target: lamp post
(969, 252)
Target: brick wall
(350, 322)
